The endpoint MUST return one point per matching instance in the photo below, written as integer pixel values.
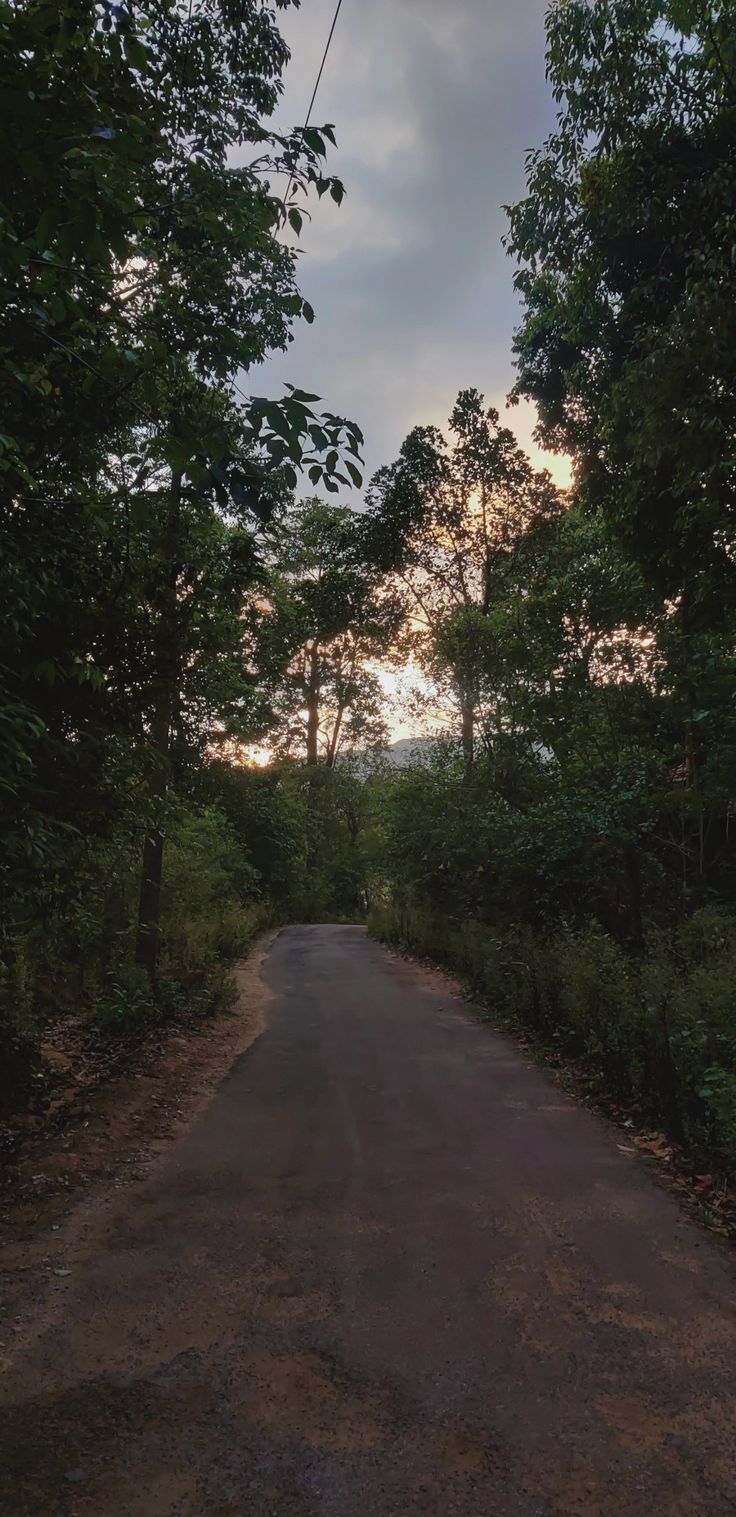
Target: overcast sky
(434, 104)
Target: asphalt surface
(391, 1270)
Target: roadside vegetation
(147, 262)
(175, 596)
(577, 860)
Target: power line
(322, 64)
(316, 87)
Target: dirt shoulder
(108, 1117)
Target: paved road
(391, 1270)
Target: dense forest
(191, 573)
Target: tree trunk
(149, 904)
(149, 900)
(468, 736)
(334, 740)
(693, 753)
(313, 710)
(632, 870)
(166, 663)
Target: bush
(74, 956)
(125, 1009)
(17, 1018)
(209, 907)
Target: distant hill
(402, 752)
(399, 755)
(407, 750)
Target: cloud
(435, 103)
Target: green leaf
(302, 395)
(47, 225)
(136, 54)
(314, 140)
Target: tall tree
(626, 346)
(446, 517)
(140, 278)
(326, 620)
(626, 274)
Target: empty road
(390, 1270)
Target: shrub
(124, 1009)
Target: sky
(434, 103)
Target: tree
(140, 278)
(446, 519)
(324, 621)
(305, 832)
(626, 346)
(627, 279)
